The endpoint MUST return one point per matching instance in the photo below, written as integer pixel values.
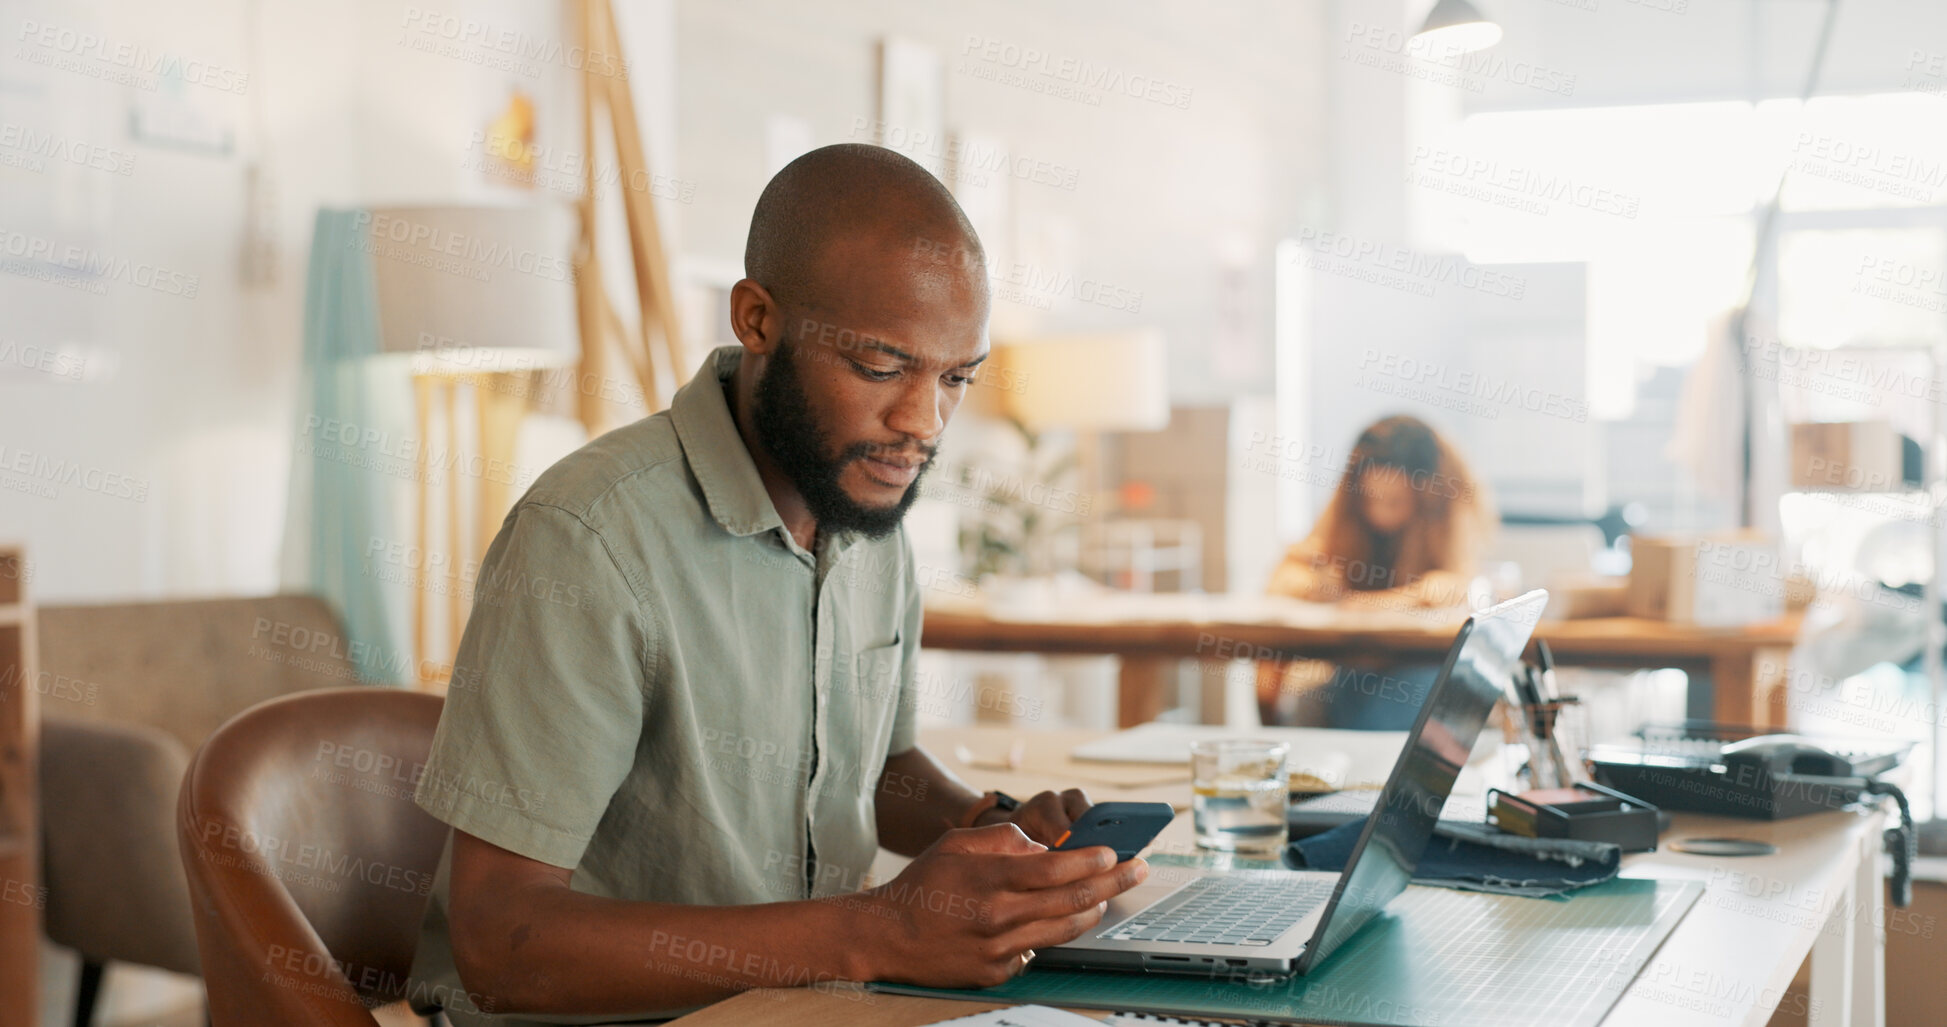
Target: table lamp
(1090, 383)
(476, 297)
(476, 289)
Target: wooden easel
(657, 336)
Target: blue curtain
(353, 481)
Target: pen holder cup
(1554, 734)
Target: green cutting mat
(1435, 956)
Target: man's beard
(799, 447)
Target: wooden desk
(1724, 664)
(1730, 961)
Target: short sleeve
(546, 702)
(905, 727)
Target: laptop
(1279, 922)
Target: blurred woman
(1405, 528)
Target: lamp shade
(1458, 26)
(475, 289)
(1108, 382)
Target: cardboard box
(1849, 456)
(1574, 596)
(1706, 580)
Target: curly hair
(1452, 517)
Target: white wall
(187, 403)
(1163, 199)
(184, 424)
(161, 358)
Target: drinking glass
(1240, 793)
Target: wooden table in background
(1734, 672)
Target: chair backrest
(309, 865)
(187, 665)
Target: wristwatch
(992, 800)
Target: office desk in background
(1729, 962)
(1149, 632)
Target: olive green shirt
(661, 689)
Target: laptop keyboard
(1226, 911)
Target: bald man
(683, 717)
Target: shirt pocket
(875, 695)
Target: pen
(1524, 684)
(1547, 658)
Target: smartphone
(1123, 826)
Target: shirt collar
(716, 452)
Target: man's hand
(972, 908)
(1044, 818)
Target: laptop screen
(1477, 672)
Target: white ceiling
(1640, 51)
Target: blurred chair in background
(128, 691)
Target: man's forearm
(917, 799)
(542, 948)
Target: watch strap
(991, 800)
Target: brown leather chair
(309, 866)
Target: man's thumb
(1006, 838)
